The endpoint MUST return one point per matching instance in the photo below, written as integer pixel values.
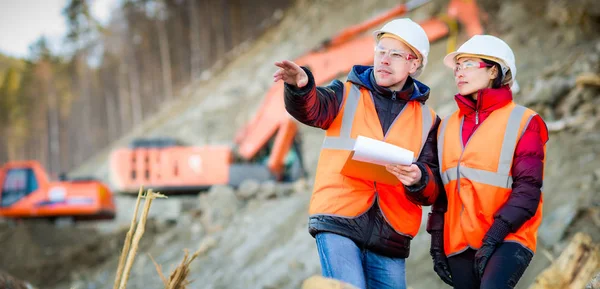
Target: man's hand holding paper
(408, 175)
(391, 160)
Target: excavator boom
(333, 59)
(265, 145)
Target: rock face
(218, 207)
(256, 236)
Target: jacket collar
(413, 89)
(404, 94)
(488, 100)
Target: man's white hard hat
(411, 34)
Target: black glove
(493, 238)
(440, 262)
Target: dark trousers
(503, 270)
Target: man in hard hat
(363, 228)
(484, 224)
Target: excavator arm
(334, 58)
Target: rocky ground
(256, 237)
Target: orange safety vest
(478, 177)
(340, 195)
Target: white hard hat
(412, 34)
(491, 48)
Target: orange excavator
(26, 193)
(269, 146)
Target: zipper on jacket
(464, 147)
(478, 106)
(388, 117)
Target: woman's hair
(498, 80)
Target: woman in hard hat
(363, 228)
(491, 153)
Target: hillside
(262, 241)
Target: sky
(22, 22)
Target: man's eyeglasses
(393, 54)
(470, 65)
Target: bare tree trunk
(195, 50)
(124, 104)
(236, 22)
(84, 93)
(205, 34)
(226, 25)
(217, 30)
(65, 157)
(43, 135)
(165, 59)
(54, 125)
(3, 154)
(134, 87)
(111, 116)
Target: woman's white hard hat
(491, 48)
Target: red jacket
(527, 168)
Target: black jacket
(318, 107)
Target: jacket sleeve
(435, 221)
(426, 191)
(527, 171)
(312, 105)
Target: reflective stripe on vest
(335, 193)
(501, 178)
(346, 142)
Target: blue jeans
(342, 260)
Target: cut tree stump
(574, 268)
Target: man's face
(393, 62)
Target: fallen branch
(588, 79)
(574, 268)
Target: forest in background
(61, 109)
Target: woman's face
(472, 74)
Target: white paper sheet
(381, 153)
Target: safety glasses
(393, 54)
(470, 65)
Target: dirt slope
(264, 242)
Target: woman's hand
(408, 175)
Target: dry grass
(178, 278)
(131, 244)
